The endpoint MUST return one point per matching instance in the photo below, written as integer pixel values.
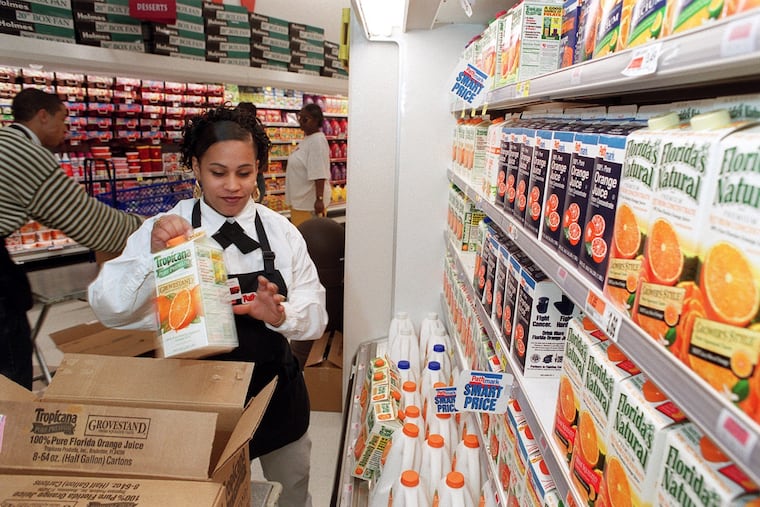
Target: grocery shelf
(536, 396)
(61, 56)
(285, 141)
(274, 175)
(46, 253)
(728, 426)
(725, 50)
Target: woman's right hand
(166, 228)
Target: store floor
(324, 430)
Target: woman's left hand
(266, 306)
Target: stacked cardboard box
(107, 25)
(186, 38)
(228, 34)
(41, 19)
(270, 42)
(333, 67)
(307, 47)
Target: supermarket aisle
(325, 426)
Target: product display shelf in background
(726, 49)
(149, 200)
(729, 427)
(536, 396)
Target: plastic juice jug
(440, 336)
(467, 461)
(441, 355)
(410, 395)
(429, 324)
(444, 425)
(452, 492)
(396, 326)
(407, 347)
(413, 415)
(403, 453)
(435, 463)
(409, 491)
(405, 371)
(430, 377)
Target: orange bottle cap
(455, 480)
(471, 441)
(410, 478)
(411, 430)
(435, 440)
(412, 411)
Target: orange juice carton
(382, 421)
(505, 462)
(500, 279)
(524, 163)
(741, 107)
(556, 187)
(511, 288)
(585, 152)
(731, 8)
(483, 258)
(722, 314)
(536, 29)
(641, 21)
(693, 471)
(569, 35)
(683, 15)
(688, 109)
(456, 145)
(468, 148)
(539, 482)
(636, 190)
(489, 40)
(543, 312)
(491, 258)
(193, 299)
(582, 334)
(539, 170)
(608, 31)
(668, 298)
(512, 158)
(601, 208)
(641, 416)
(493, 156)
(504, 49)
(606, 368)
(479, 151)
(589, 19)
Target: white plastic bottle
(406, 347)
(439, 336)
(452, 491)
(436, 461)
(410, 395)
(467, 461)
(396, 322)
(430, 376)
(404, 453)
(405, 372)
(413, 415)
(488, 496)
(428, 326)
(409, 491)
(441, 354)
(444, 425)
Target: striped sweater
(33, 186)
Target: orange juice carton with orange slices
(556, 187)
(693, 471)
(606, 368)
(524, 163)
(511, 160)
(585, 152)
(683, 15)
(686, 184)
(608, 31)
(502, 261)
(641, 21)
(741, 107)
(504, 49)
(539, 483)
(511, 288)
(569, 35)
(193, 299)
(488, 48)
(491, 259)
(601, 208)
(588, 26)
(479, 151)
(721, 316)
(539, 172)
(543, 312)
(582, 334)
(483, 253)
(641, 416)
(536, 29)
(493, 157)
(636, 190)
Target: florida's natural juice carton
(638, 181)
(480, 141)
(695, 472)
(722, 313)
(542, 315)
(641, 416)
(685, 190)
(539, 170)
(556, 187)
(582, 334)
(601, 208)
(606, 368)
(193, 300)
(536, 30)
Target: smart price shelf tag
(482, 391)
(470, 85)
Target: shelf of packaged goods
(279, 124)
(45, 253)
(130, 177)
(274, 175)
(536, 396)
(280, 107)
(725, 50)
(285, 141)
(59, 56)
(460, 359)
(335, 115)
(277, 158)
(732, 429)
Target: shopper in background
(33, 186)
(289, 302)
(263, 155)
(307, 177)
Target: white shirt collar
(32, 135)
(211, 220)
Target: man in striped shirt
(33, 186)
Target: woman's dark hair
(223, 123)
(315, 112)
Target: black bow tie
(230, 233)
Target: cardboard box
(70, 491)
(94, 338)
(194, 427)
(324, 373)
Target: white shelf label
(735, 435)
(605, 315)
(511, 230)
(643, 61)
(739, 37)
(561, 273)
(575, 76)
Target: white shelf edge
(691, 393)
(550, 453)
(22, 51)
(691, 58)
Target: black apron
(287, 416)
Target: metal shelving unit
(729, 427)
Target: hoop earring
(197, 190)
(256, 194)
